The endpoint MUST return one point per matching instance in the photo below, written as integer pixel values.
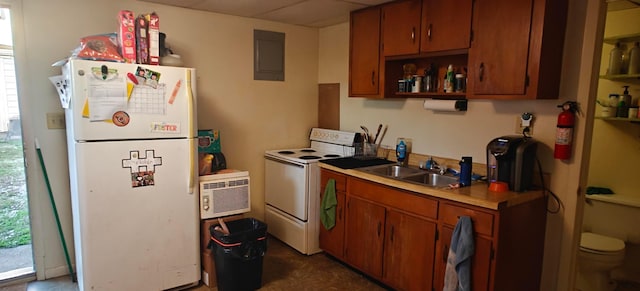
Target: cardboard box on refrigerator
(154, 38)
(127, 36)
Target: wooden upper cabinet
(401, 27)
(364, 53)
(516, 52)
(446, 25)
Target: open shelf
(622, 38)
(620, 77)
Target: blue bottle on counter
(465, 171)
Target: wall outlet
(521, 124)
(55, 120)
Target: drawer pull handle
(429, 31)
(413, 34)
(379, 228)
(445, 253)
(481, 75)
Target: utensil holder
(366, 150)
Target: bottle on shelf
(615, 60)
(634, 59)
(624, 103)
(449, 80)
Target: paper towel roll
(445, 105)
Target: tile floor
(283, 269)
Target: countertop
(477, 194)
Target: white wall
(454, 135)
(252, 116)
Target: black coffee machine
(511, 159)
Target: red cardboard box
(154, 38)
(127, 36)
(142, 40)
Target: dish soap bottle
(401, 152)
(624, 103)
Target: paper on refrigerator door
(61, 87)
(106, 97)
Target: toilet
(598, 255)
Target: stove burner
(286, 152)
(309, 157)
(331, 156)
(308, 150)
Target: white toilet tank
(613, 215)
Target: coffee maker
(511, 159)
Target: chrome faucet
(432, 165)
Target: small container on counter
(633, 112)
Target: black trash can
(238, 255)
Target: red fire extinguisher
(564, 130)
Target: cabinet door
(401, 27)
(446, 25)
(408, 251)
(364, 53)
(499, 53)
(332, 240)
(480, 262)
(365, 232)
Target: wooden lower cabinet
(402, 238)
(332, 240)
(408, 251)
(480, 262)
(364, 235)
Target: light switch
(55, 120)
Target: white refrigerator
(132, 149)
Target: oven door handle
(284, 162)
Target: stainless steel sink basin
(393, 171)
(432, 179)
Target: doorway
(16, 256)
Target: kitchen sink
(393, 171)
(432, 179)
(411, 175)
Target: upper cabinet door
(499, 53)
(446, 25)
(401, 27)
(516, 51)
(364, 54)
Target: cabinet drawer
(482, 221)
(406, 201)
(341, 180)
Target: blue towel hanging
(458, 271)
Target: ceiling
(312, 13)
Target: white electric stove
(292, 187)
